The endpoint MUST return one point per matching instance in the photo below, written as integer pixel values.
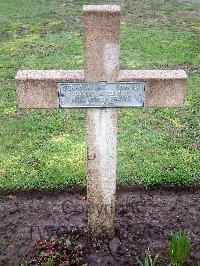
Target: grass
(179, 248)
(46, 149)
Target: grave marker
(100, 87)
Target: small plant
(179, 248)
(148, 260)
(24, 263)
(58, 251)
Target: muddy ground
(144, 218)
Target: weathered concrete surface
(38, 88)
(101, 39)
(101, 54)
(164, 88)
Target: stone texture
(101, 39)
(101, 55)
(164, 88)
(101, 9)
(38, 88)
(114, 245)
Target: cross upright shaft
(101, 58)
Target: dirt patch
(143, 219)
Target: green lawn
(47, 148)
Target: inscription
(101, 94)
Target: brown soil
(143, 219)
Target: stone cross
(39, 89)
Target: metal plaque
(102, 94)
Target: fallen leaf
(11, 197)
(83, 197)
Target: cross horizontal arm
(164, 88)
(38, 88)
